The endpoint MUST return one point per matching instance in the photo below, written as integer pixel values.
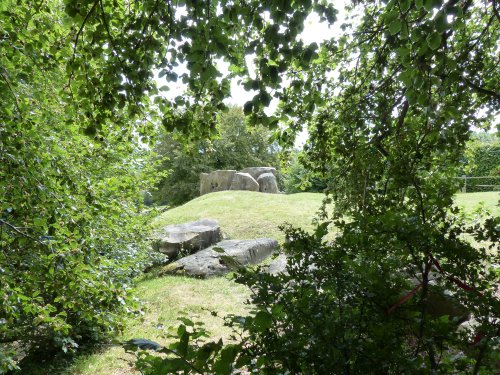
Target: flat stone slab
(213, 261)
(190, 237)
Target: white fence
(491, 186)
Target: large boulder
(189, 237)
(218, 259)
(255, 172)
(216, 181)
(243, 181)
(267, 183)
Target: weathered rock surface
(247, 179)
(255, 172)
(278, 265)
(267, 183)
(216, 181)
(210, 262)
(190, 237)
(244, 181)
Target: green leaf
(219, 250)
(403, 51)
(186, 321)
(434, 40)
(429, 5)
(407, 77)
(390, 16)
(411, 95)
(263, 320)
(405, 5)
(265, 98)
(395, 27)
(247, 108)
(440, 23)
(230, 262)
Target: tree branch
(480, 89)
(16, 229)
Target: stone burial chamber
(261, 179)
(187, 237)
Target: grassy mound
(242, 215)
(247, 214)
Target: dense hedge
(483, 159)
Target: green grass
(246, 214)
(166, 299)
(471, 201)
(241, 215)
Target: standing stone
(244, 181)
(255, 172)
(216, 181)
(267, 183)
(214, 260)
(190, 237)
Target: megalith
(244, 181)
(267, 183)
(216, 181)
(223, 257)
(188, 237)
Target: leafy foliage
(70, 233)
(298, 178)
(389, 106)
(78, 99)
(238, 146)
(482, 159)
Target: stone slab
(189, 237)
(213, 261)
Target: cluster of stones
(206, 253)
(261, 179)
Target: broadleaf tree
(236, 145)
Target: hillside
(241, 215)
(246, 214)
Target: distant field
(241, 215)
(471, 201)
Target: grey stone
(278, 265)
(243, 181)
(216, 181)
(210, 262)
(267, 183)
(255, 172)
(189, 237)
